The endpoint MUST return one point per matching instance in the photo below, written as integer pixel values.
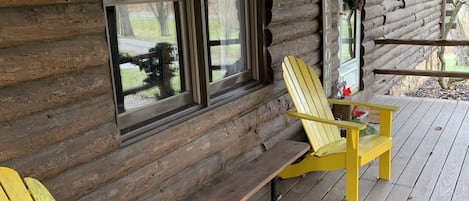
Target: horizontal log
(56, 158)
(372, 23)
(289, 14)
(28, 24)
(30, 62)
(373, 2)
(18, 3)
(422, 73)
(36, 131)
(287, 32)
(38, 95)
(423, 42)
(295, 47)
(396, 15)
(131, 158)
(374, 11)
(283, 3)
(136, 183)
(392, 5)
(185, 183)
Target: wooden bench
(13, 188)
(251, 177)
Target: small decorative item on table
(342, 112)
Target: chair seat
(370, 146)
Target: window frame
(201, 95)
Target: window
(171, 58)
(349, 20)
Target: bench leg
(273, 189)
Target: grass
(148, 29)
(451, 64)
(133, 77)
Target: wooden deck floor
(430, 159)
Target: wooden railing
(422, 72)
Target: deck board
(454, 162)
(430, 158)
(461, 192)
(428, 178)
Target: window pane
(148, 53)
(226, 34)
(347, 33)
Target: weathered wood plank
(325, 184)
(259, 171)
(400, 192)
(38, 130)
(451, 171)
(427, 180)
(242, 145)
(29, 97)
(424, 150)
(35, 61)
(136, 183)
(379, 191)
(288, 14)
(28, 24)
(373, 11)
(295, 47)
(19, 3)
(56, 158)
(287, 32)
(184, 183)
(462, 187)
(283, 187)
(423, 42)
(421, 73)
(303, 186)
(410, 10)
(283, 3)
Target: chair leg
(385, 165)
(351, 183)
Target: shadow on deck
(430, 159)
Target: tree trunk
(124, 28)
(163, 10)
(445, 82)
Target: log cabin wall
(393, 19)
(57, 114)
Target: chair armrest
(370, 105)
(353, 128)
(343, 124)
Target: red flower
(346, 91)
(355, 112)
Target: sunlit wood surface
(430, 159)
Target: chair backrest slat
(307, 95)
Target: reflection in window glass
(226, 38)
(347, 33)
(148, 53)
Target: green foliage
(451, 64)
(156, 67)
(369, 130)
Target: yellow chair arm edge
(343, 124)
(370, 105)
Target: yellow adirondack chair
(12, 187)
(329, 150)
